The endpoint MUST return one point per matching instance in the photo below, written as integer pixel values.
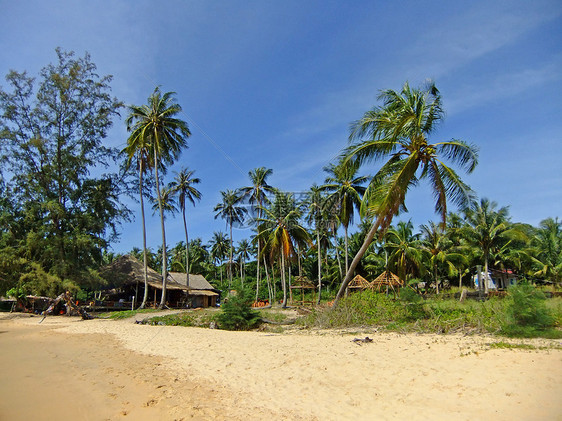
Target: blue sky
(277, 83)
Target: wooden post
(479, 277)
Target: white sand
(214, 374)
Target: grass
(508, 345)
(118, 315)
(190, 318)
(438, 315)
(526, 315)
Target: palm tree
(404, 250)
(487, 229)
(232, 213)
(243, 251)
(281, 230)
(140, 149)
(167, 202)
(316, 211)
(155, 124)
(347, 192)
(183, 187)
(440, 250)
(546, 250)
(219, 248)
(399, 130)
(256, 194)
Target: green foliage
(413, 303)
(185, 319)
(237, 313)
(410, 314)
(527, 314)
(54, 214)
(119, 315)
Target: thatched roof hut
(359, 283)
(200, 292)
(387, 279)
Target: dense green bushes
(237, 313)
(523, 313)
(527, 314)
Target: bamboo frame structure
(302, 283)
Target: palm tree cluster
(309, 235)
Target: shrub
(527, 314)
(237, 314)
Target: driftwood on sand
(70, 303)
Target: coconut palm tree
(546, 251)
(219, 248)
(231, 211)
(155, 124)
(399, 131)
(346, 193)
(167, 202)
(256, 195)
(404, 250)
(243, 251)
(440, 250)
(183, 186)
(281, 230)
(316, 202)
(488, 229)
(139, 149)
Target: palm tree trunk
(485, 273)
(186, 246)
(269, 289)
(230, 261)
(145, 262)
(346, 258)
(164, 258)
(338, 254)
(258, 272)
(319, 265)
(357, 259)
(283, 281)
(436, 280)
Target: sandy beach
(116, 370)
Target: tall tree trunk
(283, 281)
(436, 280)
(186, 246)
(258, 272)
(357, 259)
(269, 289)
(338, 254)
(346, 247)
(486, 272)
(164, 257)
(319, 265)
(145, 261)
(230, 261)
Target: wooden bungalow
(301, 283)
(125, 287)
(200, 292)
